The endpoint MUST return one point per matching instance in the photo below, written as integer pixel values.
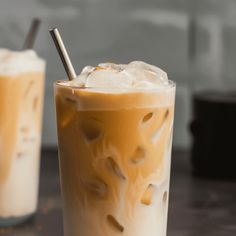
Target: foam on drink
(15, 62)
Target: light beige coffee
(115, 147)
(22, 90)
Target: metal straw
(30, 38)
(63, 53)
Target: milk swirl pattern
(115, 148)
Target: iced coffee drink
(21, 89)
(115, 127)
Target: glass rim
(171, 84)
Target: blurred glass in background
(212, 83)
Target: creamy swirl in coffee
(115, 130)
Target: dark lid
(210, 106)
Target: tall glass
(22, 90)
(115, 154)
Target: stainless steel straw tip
(63, 53)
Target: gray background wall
(94, 31)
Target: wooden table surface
(198, 207)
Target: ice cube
(147, 196)
(81, 79)
(109, 79)
(165, 196)
(35, 103)
(66, 119)
(70, 101)
(25, 129)
(166, 114)
(87, 70)
(140, 65)
(28, 88)
(96, 186)
(29, 139)
(138, 156)
(136, 74)
(143, 85)
(113, 166)
(112, 66)
(20, 154)
(170, 137)
(157, 134)
(114, 223)
(92, 129)
(146, 75)
(147, 117)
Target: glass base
(12, 221)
